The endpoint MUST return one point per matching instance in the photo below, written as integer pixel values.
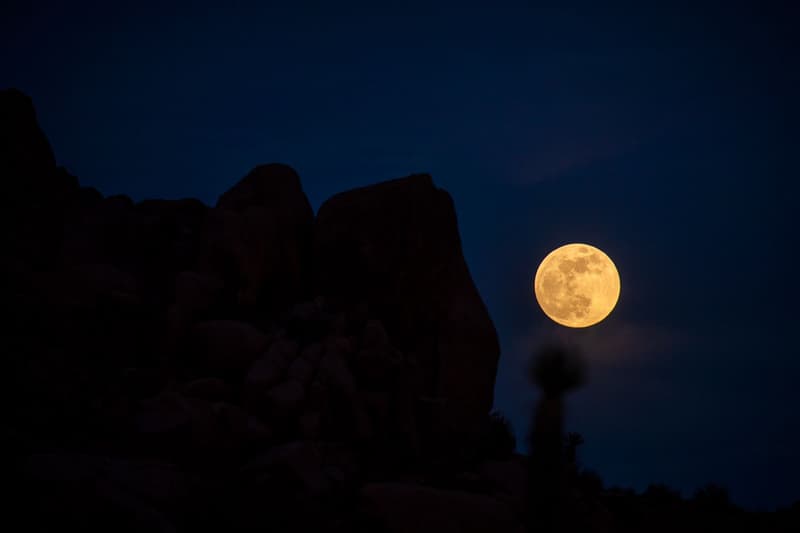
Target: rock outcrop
(271, 230)
(25, 152)
(395, 248)
(254, 356)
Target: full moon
(577, 285)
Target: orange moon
(577, 285)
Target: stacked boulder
(249, 344)
(394, 249)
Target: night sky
(669, 139)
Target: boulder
(227, 345)
(211, 389)
(168, 414)
(376, 363)
(374, 336)
(346, 415)
(310, 425)
(111, 225)
(313, 352)
(102, 279)
(269, 369)
(307, 321)
(342, 465)
(270, 234)
(192, 428)
(196, 293)
(341, 347)
(238, 428)
(168, 238)
(334, 372)
(302, 370)
(317, 397)
(224, 253)
(286, 399)
(395, 248)
(298, 465)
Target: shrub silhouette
(497, 440)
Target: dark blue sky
(666, 138)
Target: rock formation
(246, 344)
(394, 248)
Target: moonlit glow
(577, 285)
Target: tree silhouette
(555, 370)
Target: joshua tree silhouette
(555, 370)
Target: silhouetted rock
(211, 389)
(40, 196)
(300, 462)
(166, 415)
(227, 345)
(105, 280)
(269, 369)
(377, 363)
(196, 293)
(346, 412)
(273, 225)
(302, 370)
(25, 153)
(307, 321)
(334, 372)
(168, 237)
(286, 399)
(239, 429)
(395, 246)
(310, 425)
(190, 429)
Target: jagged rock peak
(24, 148)
(269, 185)
(395, 247)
